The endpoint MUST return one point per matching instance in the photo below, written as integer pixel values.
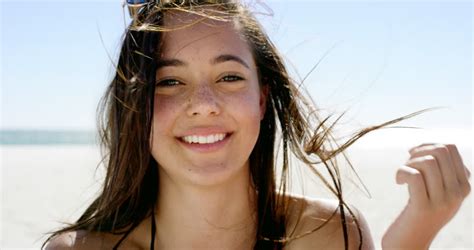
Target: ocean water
(48, 137)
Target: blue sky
(383, 59)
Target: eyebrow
(220, 59)
(228, 57)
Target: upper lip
(205, 131)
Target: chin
(218, 174)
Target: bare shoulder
(317, 223)
(81, 240)
(61, 241)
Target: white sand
(42, 185)
(45, 184)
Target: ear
(263, 99)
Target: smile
(204, 139)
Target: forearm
(417, 235)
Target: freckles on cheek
(250, 103)
(165, 114)
(163, 107)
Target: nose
(203, 102)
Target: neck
(218, 217)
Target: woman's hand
(437, 183)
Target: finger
(419, 146)
(427, 165)
(445, 164)
(462, 172)
(416, 184)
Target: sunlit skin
(214, 89)
(208, 84)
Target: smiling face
(208, 103)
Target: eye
(168, 83)
(231, 78)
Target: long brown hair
(129, 192)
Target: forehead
(195, 34)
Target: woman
(191, 128)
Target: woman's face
(208, 103)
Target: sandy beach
(43, 185)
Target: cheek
(247, 108)
(163, 111)
(249, 103)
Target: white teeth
(204, 139)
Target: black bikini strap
(153, 230)
(123, 238)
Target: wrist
(418, 234)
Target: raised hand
(437, 184)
